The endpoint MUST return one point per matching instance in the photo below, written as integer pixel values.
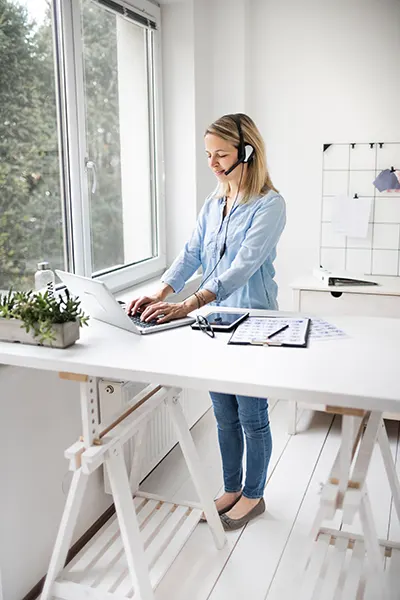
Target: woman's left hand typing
(165, 311)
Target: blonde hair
(258, 181)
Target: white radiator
(160, 435)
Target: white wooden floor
(265, 559)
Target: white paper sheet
(257, 329)
(322, 330)
(350, 216)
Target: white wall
(203, 62)
(39, 419)
(203, 78)
(308, 72)
(228, 43)
(318, 72)
(179, 123)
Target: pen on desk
(276, 332)
(265, 341)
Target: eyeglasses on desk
(205, 326)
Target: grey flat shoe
(231, 524)
(224, 510)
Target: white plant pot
(65, 334)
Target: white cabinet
(313, 298)
(326, 302)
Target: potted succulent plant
(40, 318)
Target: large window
(79, 149)
(117, 82)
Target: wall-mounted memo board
(349, 169)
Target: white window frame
(77, 226)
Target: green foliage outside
(31, 213)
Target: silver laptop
(98, 302)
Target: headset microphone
(236, 164)
(248, 153)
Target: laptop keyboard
(136, 319)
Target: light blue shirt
(244, 277)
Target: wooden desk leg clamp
(346, 491)
(128, 557)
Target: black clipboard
(279, 341)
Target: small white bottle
(44, 278)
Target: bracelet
(202, 298)
(198, 301)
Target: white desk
(359, 372)
(313, 298)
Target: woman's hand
(165, 311)
(139, 304)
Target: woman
(234, 242)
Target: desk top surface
(360, 371)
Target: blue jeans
(235, 415)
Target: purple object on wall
(387, 180)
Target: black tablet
(223, 321)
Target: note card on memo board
(349, 170)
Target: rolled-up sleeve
(189, 259)
(261, 239)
